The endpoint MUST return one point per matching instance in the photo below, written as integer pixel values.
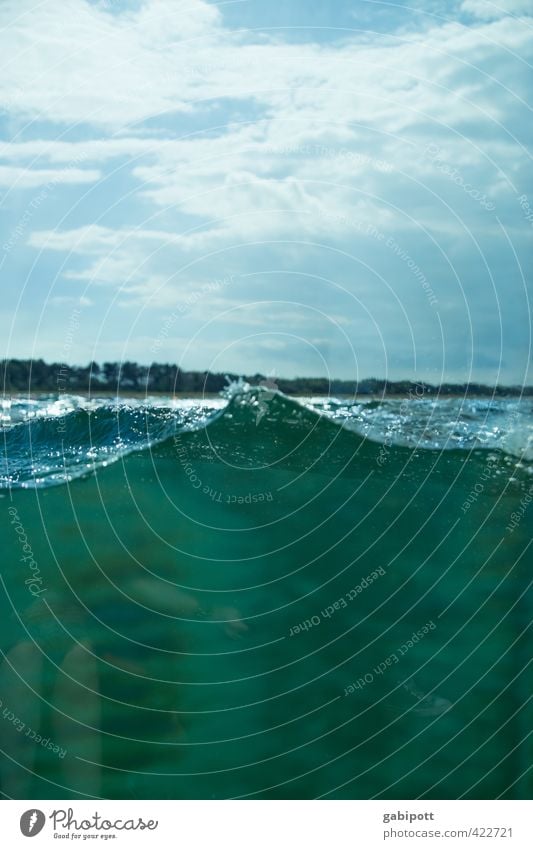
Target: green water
(163, 650)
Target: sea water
(264, 597)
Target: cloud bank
(364, 173)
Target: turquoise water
(266, 598)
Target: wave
(55, 440)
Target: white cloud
(76, 63)
(71, 300)
(486, 10)
(91, 150)
(28, 178)
(94, 238)
(73, 62)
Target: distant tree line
(38, 376)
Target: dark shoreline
(124, 395)
(130, 379)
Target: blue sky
(300, 187)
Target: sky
(332, 188)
